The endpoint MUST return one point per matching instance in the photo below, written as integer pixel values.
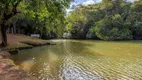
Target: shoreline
(20, 41)
(28, 45)
(8, 69)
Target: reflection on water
(27, 65)
(83, 60)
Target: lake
(83, 60)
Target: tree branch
(14, 10)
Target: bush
(137, 30)
(112, 28)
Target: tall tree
(8, 9)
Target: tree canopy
(31, 16)
(108, 20)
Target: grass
(19, 41)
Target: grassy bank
(19, 41)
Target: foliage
(76, 24)
(107, 20)
(42, 16)
(134, 19)
(110, 20)
(35, 15)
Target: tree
(134, 19)
(8, 9)
(112, 28)
(76, 24)
(38, 10)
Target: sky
(87, 2)
(75, 3)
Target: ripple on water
(77, 68)
(73, 61)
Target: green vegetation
(19, 41)
(31, 16)
(108, 20)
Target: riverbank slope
(8, 70)
(20, 41)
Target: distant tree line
(107, 20)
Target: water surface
(83, 60)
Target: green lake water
(83, 60)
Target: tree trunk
(6, 17)
(14, 29)
(3, 35)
